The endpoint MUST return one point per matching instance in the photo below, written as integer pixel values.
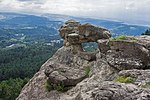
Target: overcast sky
(130, 11)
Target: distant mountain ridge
(116, 27)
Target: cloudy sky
(129, 11)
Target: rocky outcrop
(67, 68)
(118, 70)
(75, 33)
(125, 54)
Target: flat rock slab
(109, 90)
(68, 76)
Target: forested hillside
(25, 44)
(147, 32)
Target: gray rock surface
(141, 77)
(125, 54)
(75, 33)
(67, 69)
(115, 91)
(91, 75)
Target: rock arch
(75, 34)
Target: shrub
(48, 86)
(59, 87)
(124, 79)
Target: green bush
(59, 87)
(10, 89)
(124, 79)
(48, 86)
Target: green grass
(121, 37)
(124, 79)
(87, 71)
(133, 40)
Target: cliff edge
(118, 70)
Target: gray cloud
(25, 0)
(132, 11)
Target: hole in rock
(90, 46)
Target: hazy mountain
(52, 21)
(26, 29)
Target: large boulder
(125, 54)
(63, 68)
(90, 33)
(67, 69)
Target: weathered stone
(103, 45)
(145, 41)
(77, 48)
(90, 33)
(86, 32)
(66, 75)
(141, 77)
(69, 27)
(108, 90)
(127, 55)
(89, 56)
(61, 71)
(73, 38)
